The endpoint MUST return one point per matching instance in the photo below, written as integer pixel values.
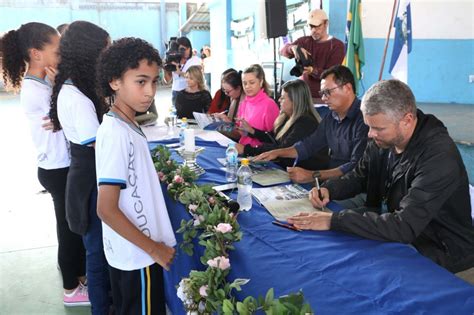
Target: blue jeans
(98, 283)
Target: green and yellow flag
(355, 54)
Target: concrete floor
(30, 283)
(29, 280)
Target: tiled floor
(29, 280)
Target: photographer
(180, 56)
(314, 53)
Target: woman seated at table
(232, 87)
(195, 97)
(221, 101)
(297, 120)
(258, 109)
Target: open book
(209, 122)
(284, 201)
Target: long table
(338, 273)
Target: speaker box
(275, 18)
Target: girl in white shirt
(32, 50)
(77, 110)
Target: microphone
(231, 204)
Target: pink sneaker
(78, 297)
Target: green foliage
(207, 292)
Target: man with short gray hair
(415, 180)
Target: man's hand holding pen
(319, 220)
(319, 196)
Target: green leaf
(228, 307)
(269, 297)
(242, 309)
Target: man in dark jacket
(416, 183)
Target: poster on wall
(242, 33)
(297, 14)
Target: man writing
(324, 50)
(342, 130)
(416, 183)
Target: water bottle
(184, 125)
(173, 115)
(244, 186)
(231, 163)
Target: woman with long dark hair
(77, 109)
(297, 120)
(187, 60)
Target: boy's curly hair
(124, 54)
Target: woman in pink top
(258, 109)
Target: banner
(402, 42)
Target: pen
(295, 162)
(286, 225)
(320, 195)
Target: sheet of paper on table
(269, 176)
(263, 174)
(284, 201)
(157, 133)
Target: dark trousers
(98, 283)
(71, 253)
(138, 291)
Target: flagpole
(388, 38)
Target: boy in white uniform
(137, 232)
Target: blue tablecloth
(338, 273)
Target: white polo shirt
(123, 158)
(52, 148)
(77, 115)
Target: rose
(223, 228)
(220, 262)
(170, 186)
(192, 207)
(202, 290)
(178, 179)
(161, 175)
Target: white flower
(223, 228)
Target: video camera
(173, 54)
(300, 63)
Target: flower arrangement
(207, 292)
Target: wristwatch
(316, 174)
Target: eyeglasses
(327, 92)
(227, 92)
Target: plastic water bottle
(244, 186)
(231, 163)
(184, 126)
(173, 115)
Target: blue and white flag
(402, 42)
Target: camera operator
(320, 49)
(186, 60)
